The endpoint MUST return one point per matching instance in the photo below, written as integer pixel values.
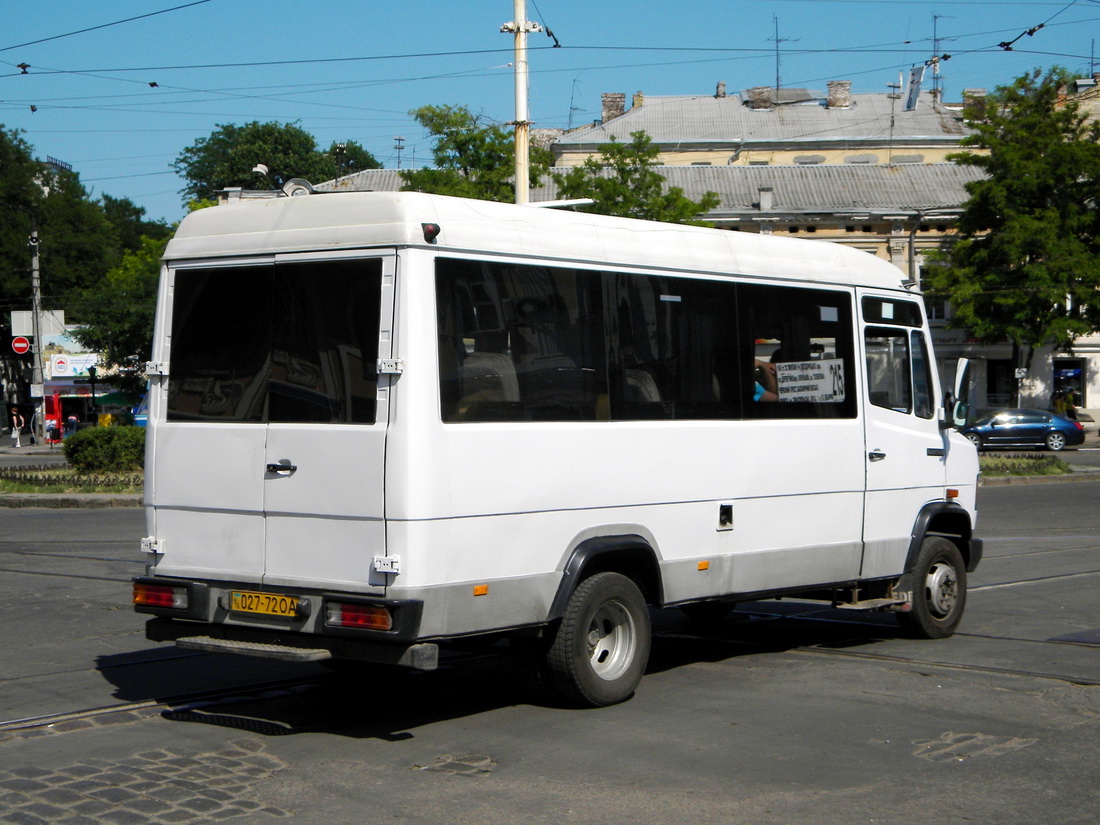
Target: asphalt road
(785, 713)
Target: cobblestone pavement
(158, 787)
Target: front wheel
(974, 439)
(1055, 441)
(601, 647)
(939, 591)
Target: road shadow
(279, 699)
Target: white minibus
(381, 423)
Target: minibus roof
(364, 220)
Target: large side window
(520, 343)
(534, 343)
(286, 343)
(800, 354)
(673, 348)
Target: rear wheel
(1055, 441)
(939, 591)
(600, 650)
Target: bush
(106, 449)
(1023, 465)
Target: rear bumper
(289, 646)
(204, 613)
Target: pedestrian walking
(17, 424)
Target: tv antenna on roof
(778, 40)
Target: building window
(1000, 382)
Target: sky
(77, 78)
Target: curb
(62, 501)
(1001, 481)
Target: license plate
(269, 604)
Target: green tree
(129, 224)
(76, 242)
(19, 200)
(117, 312)
(1025, 266)
(472, 159)
(623, 182)
(228, 156)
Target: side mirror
(957, 404)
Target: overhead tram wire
(102, 26)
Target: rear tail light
(361, 616)
(1079, 425)
(159, 595)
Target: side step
(208, 644)
(876, 604)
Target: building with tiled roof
(805, 128)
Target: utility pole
(38, 385)
(520, 27)
(399, 146)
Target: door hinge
(156, 368)
(387, 564)
(390, 366)
(151, 544)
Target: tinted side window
(922, 378)
(889, 311)
(286, 343)
(888, 372)
(673, 348)
(800, 352)
(520, 343)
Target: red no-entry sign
(20, 345)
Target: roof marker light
(431, 231)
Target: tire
(601, 647)
(974, 439)
(703, 613)
(1055, 442)
(939, 591)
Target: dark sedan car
(1024, 428)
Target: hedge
(106, 449)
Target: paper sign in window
(817, 381)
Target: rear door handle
(876, 455)
(283, 468)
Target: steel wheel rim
(611, 640)
(1056, 440)
(942, 587)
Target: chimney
(972, 95)
(765, 201)
(840, 94)
(760, 97)
(639, 99)
(614, 105)
(721, 90)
